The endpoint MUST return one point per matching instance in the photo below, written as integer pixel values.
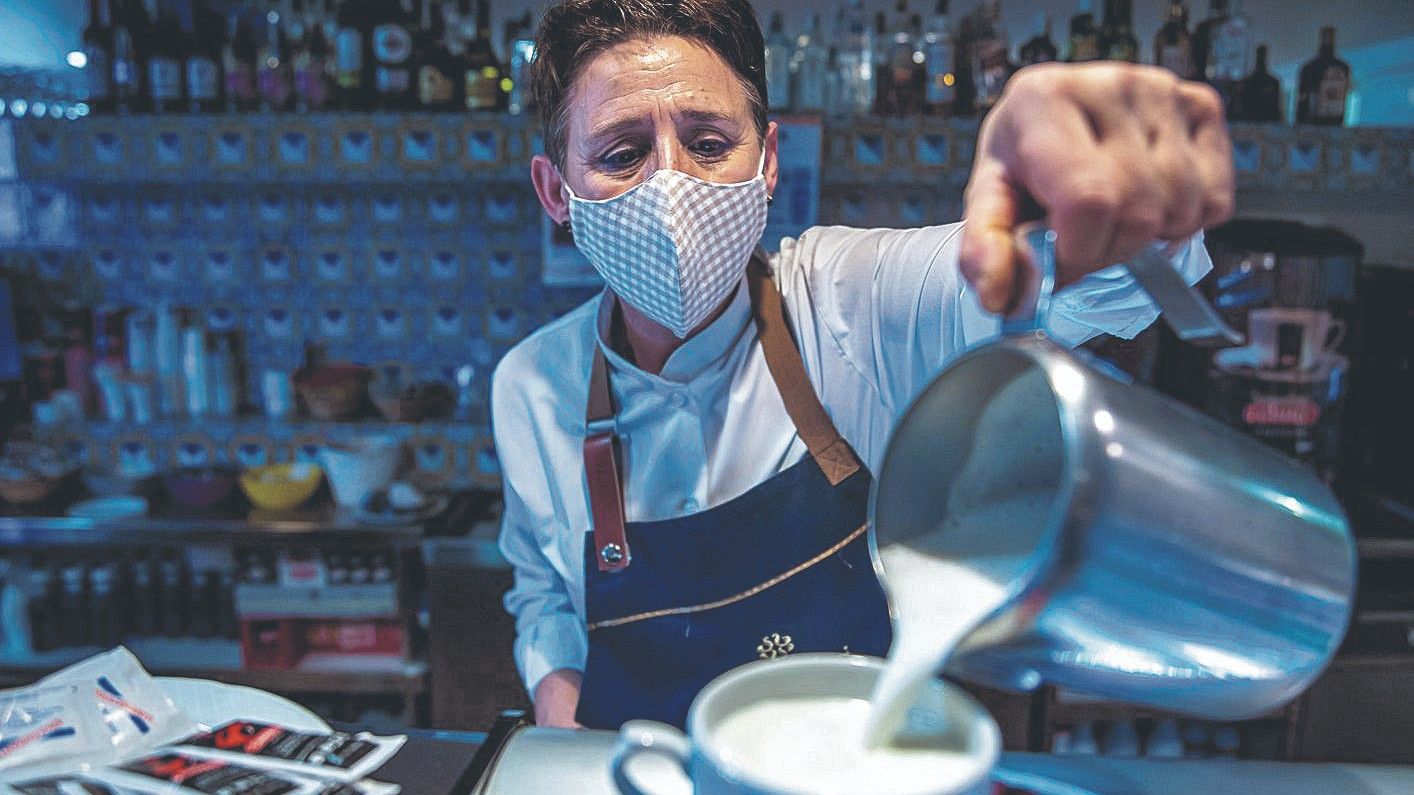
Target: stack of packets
(104, 726)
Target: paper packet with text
(51, 725)
(336, 755)
(139, 714)
(173, 772)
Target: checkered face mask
(673, 246)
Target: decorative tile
(444, 265)
(230, 148)
(356, 147)
(483, 146)
(293, 147)
(418, 146)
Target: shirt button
(679, 400)
(690, 505)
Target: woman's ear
(549, 188)
(771, 169)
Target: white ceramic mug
(1292, 339)
(953, 754)
(360, 467)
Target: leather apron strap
(831, 452)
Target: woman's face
(661, 103)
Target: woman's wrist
(556, 698)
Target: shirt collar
(700, 352)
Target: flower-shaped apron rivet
(775, 645)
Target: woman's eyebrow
(710, 116)
(612, 128)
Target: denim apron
(781, 569)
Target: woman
(686, 457)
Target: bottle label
(434, 87)
(125, 74)
(99, 73)
(1177, 59)
(391, 81)
(348, 57)
(1084, 48)
(201, 78)
(392, 44)
(309, 83)
(1330, 94)
(274, 87)
(240, 82)
(483, 88)
(165, 78)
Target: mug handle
(647, 737)
(1336, 335)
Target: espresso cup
(793, 726)
(1291, 338)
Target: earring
(565, 225)
(770, 200)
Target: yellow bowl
(280, 487)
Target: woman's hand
(1114, 156)
(556, 698)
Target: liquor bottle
(881, 48)
(991, 59)
(854, 59)
(904, 94)
(1259, 96)
(98, 52)
(1117, 42)
(777, 65)
(165, 57)
(1203, 39)
(521, 48)
(391, 52)
(481, 70)
(272, 69)
(310, 62)
(436, 71)
(203, 66)
(1084, 34)
(940, 51)
(1231, 48)
(238, 63)
(127, 66)
(1039, 48)
(350, 60)
(810, 65)
(1325, 83)
(1173, 48)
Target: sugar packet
(55, 724)
(335, 755)
(139, 714)
(173, 772)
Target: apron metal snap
(774, 645)
(612, 553)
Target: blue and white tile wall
(413, 241)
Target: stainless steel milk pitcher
(1172, 562)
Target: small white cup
(1291, 338)
(968, 740)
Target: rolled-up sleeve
(550, 633)
(896, 306)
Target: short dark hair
(572, 32)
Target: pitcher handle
(647, 737)
(1183, 308)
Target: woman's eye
(619, 159)
(710, 147)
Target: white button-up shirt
(876, 314)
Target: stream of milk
(940, 596)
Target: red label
(1282, 411)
